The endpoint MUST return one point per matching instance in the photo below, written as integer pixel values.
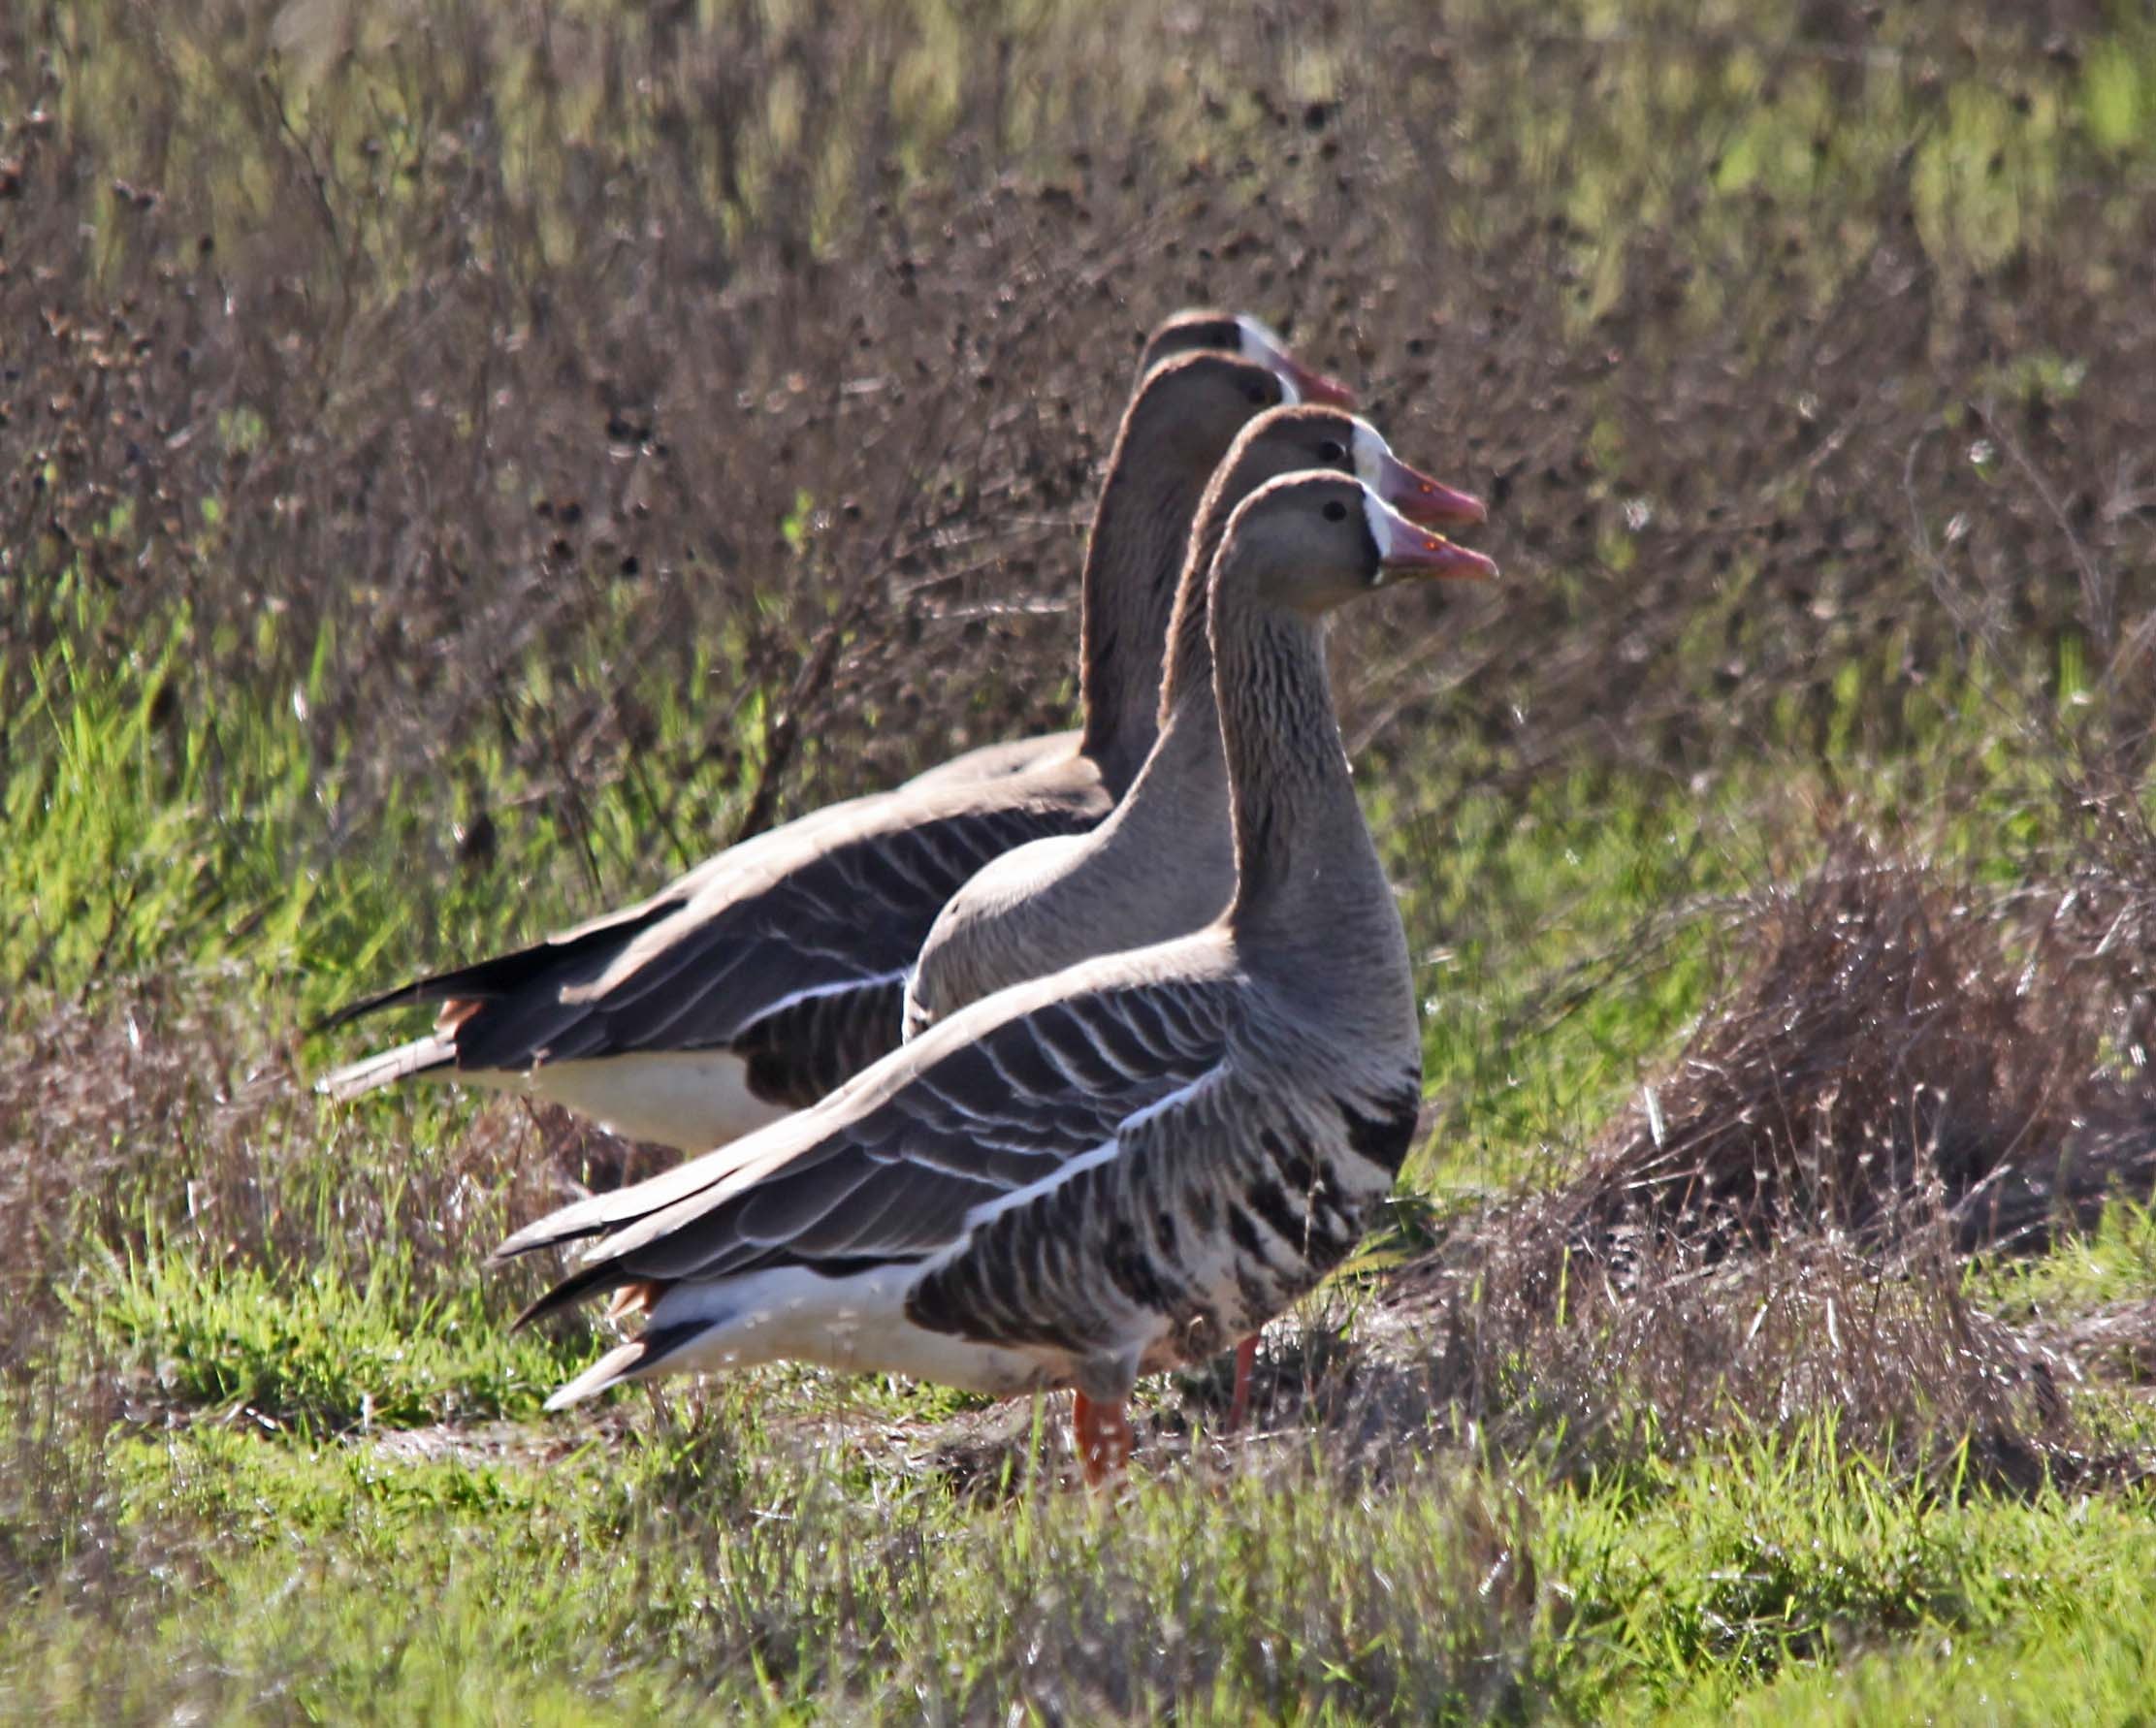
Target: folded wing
(989, 1110)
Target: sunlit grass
(300, 1346)
(752, 1554)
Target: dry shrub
(472, 387)
(62, 1516)
(157, 1110)
(493, 337)
(91, 1096)
(1893, 1030)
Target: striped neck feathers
(1304, 864)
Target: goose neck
(1305, 865)
(1131, 562)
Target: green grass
(2114, 1263)
(1701, 1581)
(302, 1346)
(163, 821)
(275, 1552)
(620, 1578)
(2087, 1660)
(272, 1544)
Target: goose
(1163, 864)
(763, 978)
(1113, 1170)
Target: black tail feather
(591, 1281)
(586, 949)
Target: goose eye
(1331, 450)
(1335, 510)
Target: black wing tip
(566, 1293)
(367, 1005)
(640, 1358)
(500, 976)
(552, 1302)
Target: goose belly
(1253, 1245)
(692, 1100)
(1312, 1173)
(857, 1324)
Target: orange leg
(1238, 1405)
(1102, 1435)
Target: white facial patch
(1258, 344)
(1370, 452)
(1380, 521)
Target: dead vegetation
(1896, 1029)
(149, 1112)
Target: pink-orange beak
(1404, 548)
(1314, 386)
(1419, 498)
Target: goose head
(1305, 543)
(1296, 437)
(1190, 407)
(1187, 411)
(1200, 330)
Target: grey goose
(761, 980)
(1163, 864)
(1113, 1170)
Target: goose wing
(990, 1110)
(793, 946)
